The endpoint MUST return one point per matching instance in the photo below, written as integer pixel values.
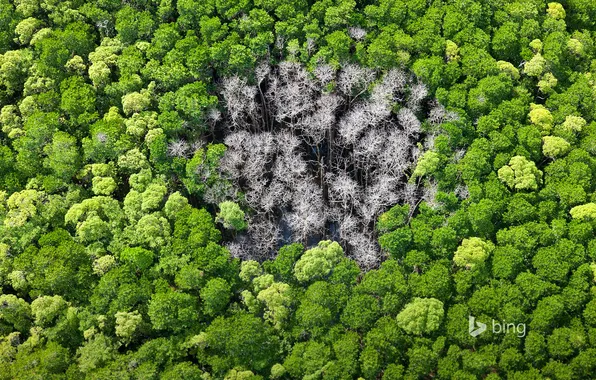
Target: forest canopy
(264, 189)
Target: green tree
(231, 216)
(230, 342)
(138, 257)
(15, 314)
(584, 212)
(307, 358)
(554, 146)
(78, 101)
(473, 253)
(318, 262)
(63, 156)
(132, 24)
(361, 311)
(390, 48)
(127, 325)
(215, 295)
(427, 164)
(421, 316)
(278, 302)
(184, 370)
(59, 267)
(173, 311)
(520, 174)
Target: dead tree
(322, 154)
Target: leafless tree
(437, 113)
(316, 161)
(343, 190)
(275, 196)
(418, 92)
(459, 154)
(287, 142)
(356, 33)
(429, 141)
(289, 168)
(368, 149)
(461, 191)
(430, 193)
(213, 115)
(178, 148)
(409, 122)
(240, 100)
(280, 42)
(397, 154)
(292, 91)
(451, 116)
(262, 71)
(410, 194)
(324, 74)
(353, 124)
(197, 145)
(307, 217)
(310, 45)
(219, 191)
(241, 248)
(264, 235)
(354, 79)
(348, 225)
(391, 88)
(365, 251)
(102, 137)
(316, 124)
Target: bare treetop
(323, 154)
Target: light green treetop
(472, 252)
(575, 46)
(99, 73)
(95, 218)
(507, 67)
(536, 45)
(541, 117)
(127, 324)
(520, 174)
(277, 299)
(250, 269)
(574, 123)
(46, 309)
(26, 29)
(535, 66)
(318, 262)
(103, 185)
(584, 212)
(554, 146)
(76, 65)
(427, 163)
(556, 11)
(231, 216)
(176, 202)
(422, 315)
(451, 50)
(22, 205)
(10, 121)
(547, 83)
(15, 314)
(133, 160)
(103, 264)
(136, 102)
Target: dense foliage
(146, 147)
